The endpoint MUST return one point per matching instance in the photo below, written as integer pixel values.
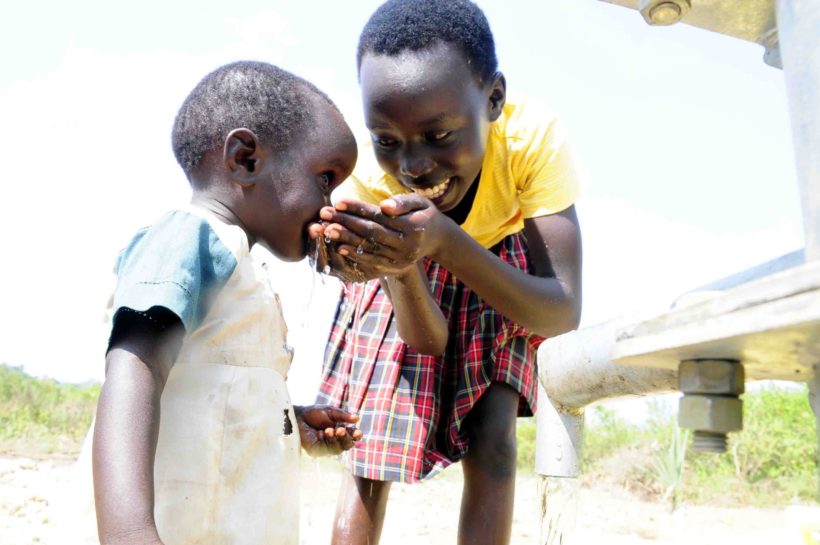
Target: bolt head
(667, 13)
(663, 12)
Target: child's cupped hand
(325, 259)
(387, 239)
(326, 431)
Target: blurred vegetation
(43, 417)
(772, 462)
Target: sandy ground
(427, 513)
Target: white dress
(227, 460)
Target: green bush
(776, 451)
(771, 462)
(608, 434)
(41, 416)
(525, 432)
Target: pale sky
(685, 135)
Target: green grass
(39, 417)
(525, 432)
(772, 462)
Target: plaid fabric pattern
(412, 406)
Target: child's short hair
(258, 96)
(398, 25)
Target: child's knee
(494, 457)
(493, 445)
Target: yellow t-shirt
(529, 170)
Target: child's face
(298, 183)
(429, 119)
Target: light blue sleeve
(178, 263)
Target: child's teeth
(435, 191)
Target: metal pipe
(559, 438)
(798, 29)
(576, 369)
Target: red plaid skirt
(412, 406)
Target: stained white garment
(226, 470)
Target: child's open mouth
(434, 192)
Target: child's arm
(326, 430)
(548, 302)
(420, 322)
(125, 433)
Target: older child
(198, 331)
(468, 220)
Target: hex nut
(664, 12)
(710, 413)
(715, 377)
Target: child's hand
(387, 239)
(324, 257)
(326, 430)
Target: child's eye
(384, 142)
(438, 136)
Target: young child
(198, 331)
(468, 222)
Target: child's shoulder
(524, 114)
(180, 262)
(187, 230)
(528, 126)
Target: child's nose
(415, 166)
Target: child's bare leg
(489, 469)
(360, 511)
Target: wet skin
(429, 119)
(293, 186)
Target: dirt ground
(427, 513)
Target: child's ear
(498, 95)
(241, 154)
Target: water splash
(312, 259)
(341, 523)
